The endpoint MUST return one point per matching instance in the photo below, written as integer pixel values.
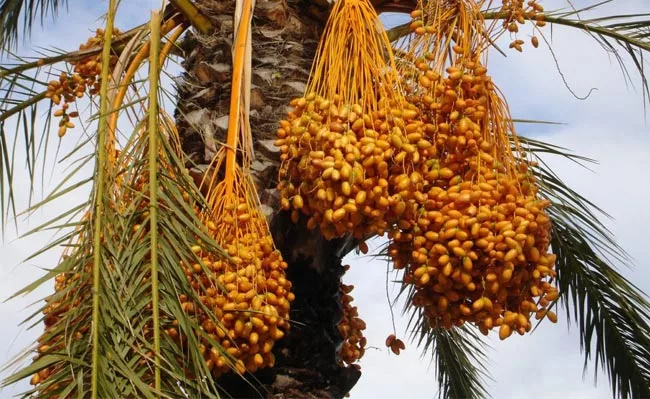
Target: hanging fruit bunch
(86, 78)
(350, 145)
(351, 328)
(477, 249)
(248, 291)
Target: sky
(609, 126)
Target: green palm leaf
(611, 314)
(100, 263)
(459, 354)
(14, 13)
(23, 101)
(140, 226)
(460, 359)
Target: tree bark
(285, 37)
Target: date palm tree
(128, 278)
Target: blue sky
(609, 126)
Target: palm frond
(17, 13)
(117, 301)
(53, 56)
(99, 221)
(154, 78)
(131, 308)
(194, 15)
(26, 110)
(459, 354)
(20, 96)
(460, 359)
(611, 314)
(25, 131)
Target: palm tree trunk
(285, 36)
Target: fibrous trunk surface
(285, 36)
